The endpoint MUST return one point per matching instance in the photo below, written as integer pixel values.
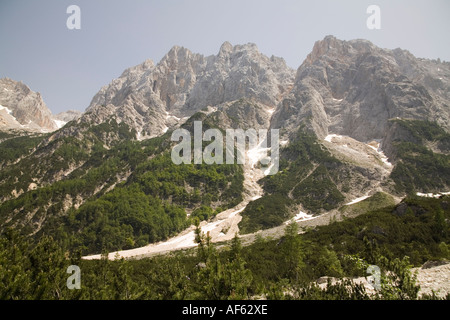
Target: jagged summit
(331, 47)
(23, 109)
(146, 65)
(353, 88)
(225, 49)
(344, 87)
(149, 97)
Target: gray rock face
(349, 88)
(67, 116)
(22, 108)
(152, 98)
(353, 87)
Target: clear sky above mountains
(69, 66)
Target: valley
(361, 177)
(224, 225)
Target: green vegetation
(15, 147)
(414, 228)
(99, 190)
(423, 131)
(379, 200)
(82, 145)
(318, 191)
(122, 219)
(130, 192)
(263, 213)
(419, 169)
(308, 175)
(97, 168)
(150, 206)
(394, 238)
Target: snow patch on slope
(257, 154)
(301, 216)
(168, 116)
(381, 153)
(59, 123)
(330, 137)
(432, 195)
(6, 109)
(357, 200)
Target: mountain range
(356, 121)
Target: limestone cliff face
(22, 108)
(152, 97)
(353, 87)
(348, 88)
(67, 116)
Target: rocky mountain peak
(177, 57)
(22, 108)
(68, 115)
(150, 97)
(143, 67)
(353, 88)
(320, 48)
(349, 88)
(226, 49)
(331, 48)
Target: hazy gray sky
(69, 66)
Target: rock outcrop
(152, 98)
(349, 88)
(23, 109)
(353, 88)
(67, 116)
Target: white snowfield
(6, 109)
(301, 216)
(357, 200)
(59, 123)
(256, 154)
(330, 137)
(432, 195)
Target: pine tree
(48, 270)
(123, 286)
(219, 280)
(238, 278)
(292, 252)
(15, 276)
